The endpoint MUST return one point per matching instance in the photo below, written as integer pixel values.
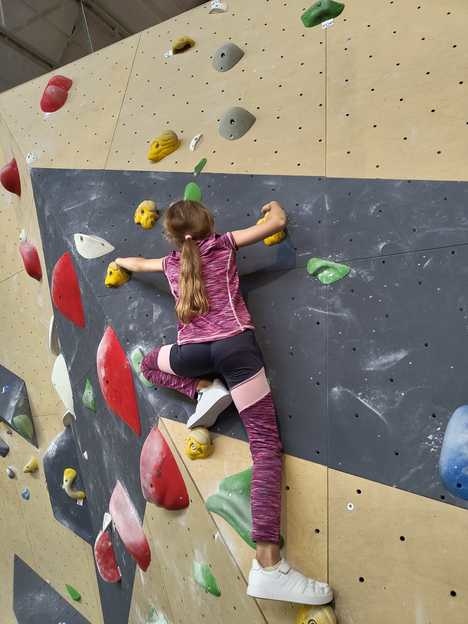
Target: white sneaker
(286, 584)
(211, 402)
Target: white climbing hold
(67, 419)
(350, 507)
(90, 246)
(62, 385)
(327, 23)
(23, 236)
(54, 344)
(195, 141)
(218, 7)
(85, 454)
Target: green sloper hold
(136, 356)
(232, 502)
(320, 12)
(88, 396)
(193, 192)
(23, 425)
(74, 593)
(327, 271)
(204, 577)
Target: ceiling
(37, 36)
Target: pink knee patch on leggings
(164, 364)
(250, 391)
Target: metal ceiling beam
(107, 18)
(18, 44)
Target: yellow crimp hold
(163, 145)
(316, 615)
(116, 276)
(146, 214)
(182, 44)
(274, 239)
(69, 476)
(198, 445)
(31, 466)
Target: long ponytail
(193, 299)
(186, 222)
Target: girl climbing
(216, 340)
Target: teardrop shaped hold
(320, 12)
(55, 93)
(65, 290)
(10, 178)
(327, 271)
(32, 264)
(128, 525)
(453, 462)
(161, 480)
(74, 593)
(136, 357)
(90, 246)
(204, 577)
(116, 380)
(62, 384)
(193, 192)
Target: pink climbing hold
(60, 81)
(32, 264)
(65, 290)
(116, 380)
(128, 526)
(104, 554)
(161, 480)
(10, 179)
(55, 94)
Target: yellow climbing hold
(146, 214)
(116, 276)
(31, 466)
(316, 615)
(181, 44)
(274, 239)
(163, 145)
(69, 476)
(198, 445)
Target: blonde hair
(186, 222)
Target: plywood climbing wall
(379, 94)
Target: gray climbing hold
(11, 472)
(26, 494)
(227, 56)
(235, 123)
(4, 448)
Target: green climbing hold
(74, 593)
(88, 396)
(327, 271)
(232, 502)
(136, 357)
(204, 577)
(156, 618)
(23, 425)
(193, 192)
(320, 12)
(199, 166)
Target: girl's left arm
(141, 264)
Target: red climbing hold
(10, 179)
(116, 380)
(53, 98)
(32, 264)
(161, 480)
(65, 290)
(60, 81)
(128, 525)
(104, 555)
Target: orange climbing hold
(10, 179)
(32, 264)
(116, 380)
(65, 290)
(161, 480)
(55, 94)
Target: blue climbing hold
(453, 462)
